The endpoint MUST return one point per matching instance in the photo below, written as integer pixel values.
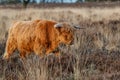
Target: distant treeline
(25, 2)
(49, 1)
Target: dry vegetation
(95, 54)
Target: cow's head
(65, 33)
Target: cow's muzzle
(72, 42)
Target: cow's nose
(71, 43)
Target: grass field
(95, 54)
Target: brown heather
(95, 54)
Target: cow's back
(23, 33)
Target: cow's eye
(65, 36)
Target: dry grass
(95, 54)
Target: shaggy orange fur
(39, 36)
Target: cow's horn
(58, 25)
(78, 27)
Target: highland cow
(39, 36)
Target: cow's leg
(53, 50)
(39, 53)
(39, 50)
(57, 53)
(22, 54)
(10, 48)
(49, 50)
